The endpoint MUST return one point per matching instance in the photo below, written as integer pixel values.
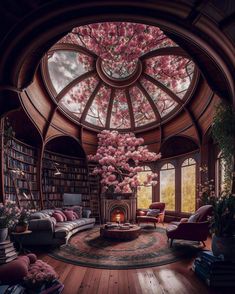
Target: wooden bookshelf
(94, 192)
(73, 178)
(20, 171)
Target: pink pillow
(58, 217)
(32, 257)
(70, 215)
(76, 215)
(63, 215)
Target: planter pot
(20, 228)
(3, 234)
(223, 246)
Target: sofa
(47, 230)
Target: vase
(3, 234)
(224, 246)
(20, 228)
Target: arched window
(144, 193)
(188, 185)
(220, 174)
(167, 185)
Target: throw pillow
(69, 214)
(61, 213)
(75, 214)
(193, 218)
(153, 212)
(58, 217)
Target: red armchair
(196, 228)
(142, 216)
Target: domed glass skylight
(118, 75)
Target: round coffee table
(117, 233)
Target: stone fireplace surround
(124, 202)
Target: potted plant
(22, 223)
(9, 214)
(223, 225)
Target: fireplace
(117, 214)
(118, 207)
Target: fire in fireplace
(117, 215)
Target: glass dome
(118, 75)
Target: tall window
(188, 185)
(144, 193)
(167, 186)
(220, 171)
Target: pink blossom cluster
(118, 44)
(120, 157)
(9, 214)
(40, 272)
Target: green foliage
(223, 219)
(223, 130)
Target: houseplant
(22, 222)
(223, 130)
(222, 224)
(9, 214)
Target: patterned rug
(150, 249)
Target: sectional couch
(49, 229)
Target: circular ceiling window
(118, 75)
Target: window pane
(188, 188)
(144, 196)
(167, 188)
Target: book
(8, 254)
(7, 249)
(8, 259)
(4, 243)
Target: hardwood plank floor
(175, 278)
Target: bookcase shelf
(20, 171)
(64, 174)
(94, 191)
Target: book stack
(214, 271)
(7, 252)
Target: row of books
(214, 271)
(7, 252)
(65, 189)
(22, 148)
(15, 155)
(15, 164)
(63, 159)
(67, 182)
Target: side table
(18, 239)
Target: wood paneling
(177, 125)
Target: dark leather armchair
(142, 216)
(196, 230)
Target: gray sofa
(45, 231)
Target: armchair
(143, 217)
(196, 228)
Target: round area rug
(150, 249)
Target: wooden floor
(175, 278)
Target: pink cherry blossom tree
(119, 158)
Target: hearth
(118, 207)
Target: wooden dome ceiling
(185, 23)
(119, 75)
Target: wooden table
(118, 233)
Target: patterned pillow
(70, 215)
(63, 215)
(153, 212)
(59, 218)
